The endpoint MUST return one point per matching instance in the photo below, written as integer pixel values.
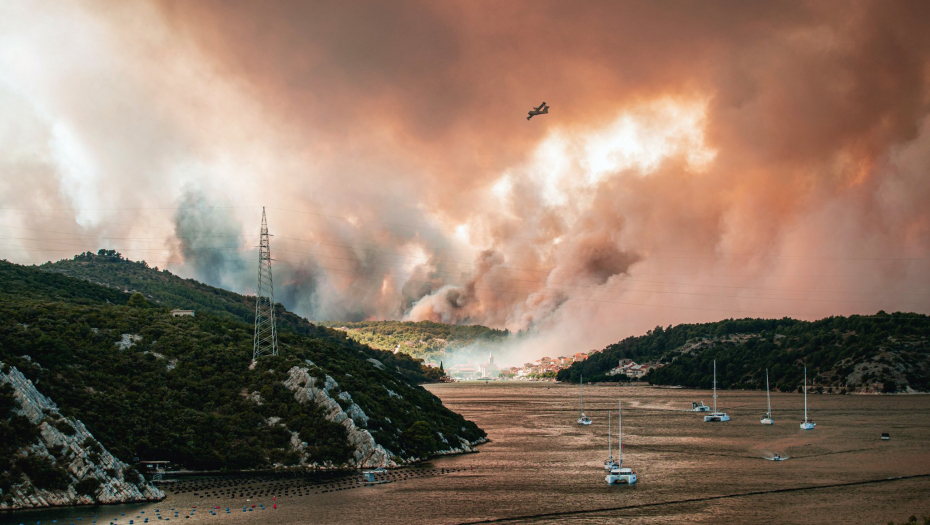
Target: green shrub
(88, 487)
(43, 472)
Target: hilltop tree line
(183, 390)
(884, 352)
(423, 339)
(163, 289)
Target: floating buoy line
(261, 492)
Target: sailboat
(620, 474)
(716, 417)
(583, 420)
(609, 464)
(699, 407)
(767, 418)
(807, 424)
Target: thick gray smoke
(211, 243)
(699, 161)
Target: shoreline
(283, 470)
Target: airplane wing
(540, 106)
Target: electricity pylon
(266, 336)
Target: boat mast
(715, 386)
(609, 451)
(767, 395)
(581, 384)
(805, 394)
(619, 436)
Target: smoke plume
(699, 161)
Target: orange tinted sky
(700, 160)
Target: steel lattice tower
(266, 335)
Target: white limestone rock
(393, 393)
(127, 341)
(86, 458)
(306, 388)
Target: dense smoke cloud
(699, 161)
(210, 241)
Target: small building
(638, 371)
(153, 466)
(490, 369)
(465, 372)
(182, 313)
(155, 470)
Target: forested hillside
(162, 288)
(880, 353)
(424, 339)
(109, 268)
(153, 386)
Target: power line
(543, 240)
(136, 208)
(550, 282)
(426, 259)
(557, 284)
(563, 298)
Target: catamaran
(609, 463)
(620, 474)
(583, 420)
(807, 424)
(716, 417)
(767, 418)
(699, 407)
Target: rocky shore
(368, 453)
(80, 470)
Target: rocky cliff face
(307, 389)
(367, 453)
(74, 468)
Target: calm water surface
(541, 467)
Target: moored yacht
(715, 416)
(609, 463)
(583, 420)
(767, 418)
(807, 424)
(699, 407)
(620, 474)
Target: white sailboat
(620, 474)
(716, 417)
(699, 407)
(767, 418)
(609, 463)
(583, 420)
(807, 424)
(777, 457)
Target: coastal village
(543, 369)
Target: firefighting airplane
(541, 110)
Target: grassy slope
(424, 339)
